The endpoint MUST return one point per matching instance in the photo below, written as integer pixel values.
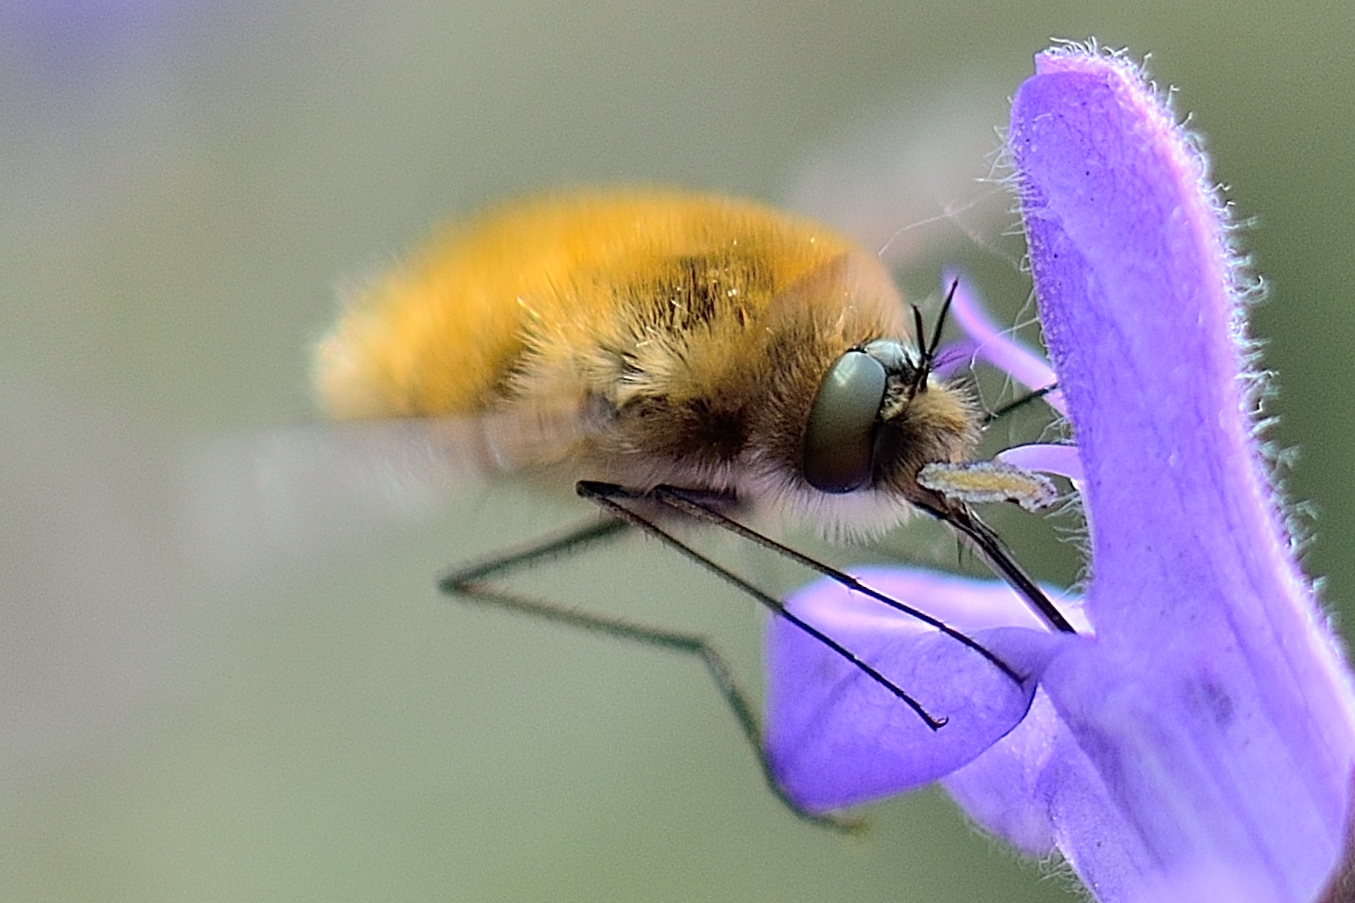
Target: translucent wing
(262, 498)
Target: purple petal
(836, 738)
(1044, 458)
(1201, 745)
(1209, 730)
(955, 356)
(997, 345)
(997, 788)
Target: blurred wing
(259, 499)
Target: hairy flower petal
(836, 738)
(1200, 743)
(1212, 717)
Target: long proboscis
(1000, 559)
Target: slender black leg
(1018, 403)
(468, 584)
(992, 549)
(693, 507)
(611, 498)
(542, 549)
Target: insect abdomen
(446, 331)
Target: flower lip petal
(997, 345)
(1045, 458)
(835, 738)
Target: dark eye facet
(839, 439)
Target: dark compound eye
(839, 439)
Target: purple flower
(1200, 744)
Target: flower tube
(1199, 744)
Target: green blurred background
(185, 186)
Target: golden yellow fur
(444, 332)
(639, 338)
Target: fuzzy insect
(708, 356)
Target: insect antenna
(935, 343)
(923, 364)
(926, 349)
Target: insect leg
(1017, 403)
(538, 550)
(610, 496)
(997, 556)
(468, 584)
(693, 507)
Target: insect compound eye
(839, 438)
